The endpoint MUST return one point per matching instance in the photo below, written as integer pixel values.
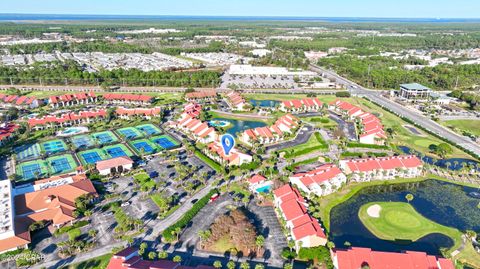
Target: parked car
(127, 203)
(153, 174)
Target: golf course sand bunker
(374, 211)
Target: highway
(376, 97)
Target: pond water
(445, 203)
(237, 126)
(264, 103)
(454, 163)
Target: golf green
(400, 221)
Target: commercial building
(414, 91)
(321, 181)
(51, 200)
(114, 165)
(355, 258)
(249, 70)
(305, 230)
(367, 169)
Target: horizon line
(241, 16)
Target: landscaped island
(400, 221)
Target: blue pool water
(264, 103)
(238, 126)
(264, 189)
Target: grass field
(471, 126)
(402, 135)
(400, 221)
(314, 143)
(222, 245)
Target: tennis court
(32, 170)
(165, 141)
(144, 145)
(24, 152)
(61, 164)
(117, 150)
(54, 146)
(91, 156)
(104, 138)
(149, 129)
(129, 133)
(82, 141)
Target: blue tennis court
(61, 165)
(54, 146)
(128, 133)
(105, 137)
(83, 141)
(164, 142)
(149, 129)
(91, 157)
(143, 145)
(31, 171)
(116, 152)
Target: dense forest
(387, 73)
(71, 73)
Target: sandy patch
(374, 211)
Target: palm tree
(259, 241)
(245, 265)
(217, 264)
(409, 197)
(162, 254)
(231, 265)
(177, 258)
(152, 255)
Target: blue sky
(314, 8)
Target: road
(419, 119)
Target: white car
(125, 204)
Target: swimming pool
(69, 131)
(264, 189)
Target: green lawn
(222, 245)
(145, 182)
(214, 165)
(402, 135)
(471, 126)
(400, 221)
(100, 262)
(314, 143)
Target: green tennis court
(165, 141)
(54, 146)
(61, 164)
(129, 133)
(143, 145)
(31, 170)
(117, 150)
(103, 138)
(92, 156)
(149, 129)
(82, 141)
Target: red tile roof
(67, 117)
(7, 130)
(356, 257)
(201, 94)
(128, 97)
(256, 179)
(383, 163)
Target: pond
(452, 163)
(238, 126)
(264, 103)
(445, 203)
